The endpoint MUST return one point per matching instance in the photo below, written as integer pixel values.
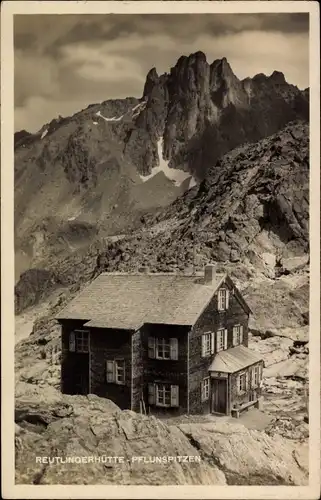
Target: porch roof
(234, 359)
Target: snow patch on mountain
(192, 183)
(133, 113)
(44, 133)
(113, 119)
(175, 175)
(138, 109)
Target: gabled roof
(239, 296)
(127, 301)
(234, 359)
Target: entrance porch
(236, 376)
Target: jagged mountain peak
(222, 67)
(152, 79)
(278, 77)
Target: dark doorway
(76, 374)
(219, 396)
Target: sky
(63, 63)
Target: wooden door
(219, 396)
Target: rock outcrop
(79, 426)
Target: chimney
(209, 274)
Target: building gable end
(238, 295)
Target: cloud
(100, 64)
(34, 75)
(63, 63)
(37, 111)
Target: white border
(9, 489)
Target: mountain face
(250, 214)
(98, 173)
(252, 207)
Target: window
(79, 341)
(161, 348)
(255, 376)
(205, 389)
(237, 335)
(115, 371)
(206, 344)
(221, 340)
(222, 299)
(164, 395)
(242, 383)
(82, 341)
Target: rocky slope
(82, 426)
(253, 207)
(250, 215)
(96, 173)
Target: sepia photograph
(161, 174)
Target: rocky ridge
(90, 170)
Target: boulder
(248, 457)
(292, 264)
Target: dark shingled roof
(127, 301)
(234, 359)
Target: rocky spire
(152, 79)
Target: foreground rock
(91, 426)
(249, 457)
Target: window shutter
(218, 334)
(234, 336)
(212, 342)
(241, 334)
(151, 394)
(252, 377)
(227, 297)
(110, 371)
(238, 384)
(72, 341)
(174, 395)
(174, 348)
(202, 390)
(225, 338)
(203, 345)
(246, 381)
(151, 347)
